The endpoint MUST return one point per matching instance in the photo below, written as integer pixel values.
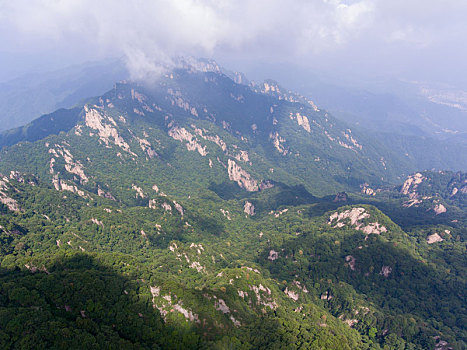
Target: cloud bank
(322, 32)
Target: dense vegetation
(120, 230)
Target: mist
(357, 40)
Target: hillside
(198, 212)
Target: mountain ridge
(207, 212)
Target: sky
(356, 39)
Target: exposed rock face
(139, 191)
(146, 147)
(413, 202)
(291, 294)
(155, 291)
(350, 322)
(263, 296)
(179, 208)
(220, 305)
(442, 344)
(241, 177)
(242, 156)
(301, 120)
(249, 208)
(439, 209)
(351, 261)
(216, 139)
(355, 216)
(367, 190)
(61, 185)
(226, 214)
(97, 222)
(278, 143)
(102, 193)
(386, 271)
(10, 203)
(410, 185)
(279, 213)
(374, 228)
(351, 139)
(273, 255)
(72, 166)
(106, 132)
(166, 206)
(299, 286)
(197, 266)
(434, 238)
(181, 134)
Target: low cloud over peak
(358, 35)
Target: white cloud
(149, 31)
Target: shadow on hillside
(80, 304)
(411, 287)
(408, 218)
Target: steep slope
(190, 204)
(255, 136)
(27, 97)
(422, 122)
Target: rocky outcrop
(139, 191)
(178, 208)
(367, 190)
(241, 177)
(410, 185)
(105, 127)
(439, 209)
(278, 141)
(434, 238)
(220, 305)
(192, 144)
(291, 294)
(273, 255)
(62, 185)
(249, 208)
(385, 271)
(72, 166)
(216, 139)
(351, 261)
(102, 193)
(226, 213)
(146, 147)
(355, 217)
(351, 139)
(301, 120)
(263, 296)
(374, 228)
(9, 202)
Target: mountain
(422, 121)
(248, 135)
(27, 97)
(200, 211)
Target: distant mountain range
(30, 96)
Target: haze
(358, 40)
